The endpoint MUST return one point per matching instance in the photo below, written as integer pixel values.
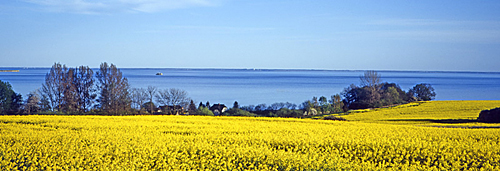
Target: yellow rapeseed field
(451, 113)
(244, 143)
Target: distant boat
(159, 73)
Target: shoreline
(277, 69)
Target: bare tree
(32, 103)
(79, 91)
(70, 98)
(173, 97)
(277, 106)
(371, 82)
(113, 88)
(83, 80)
(44, 101)
(370, 79)
(151, 93)
(139, 97)
(68, 89)
(53, 88)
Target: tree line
(80, 90)
(371, 93)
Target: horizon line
(287, 69)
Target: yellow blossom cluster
(238, 143)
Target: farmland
(436, 113)
(407, 137)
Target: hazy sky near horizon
(444, 35)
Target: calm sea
(251, 87)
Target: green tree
(285, 112)
(392, 96)
(239, 112)
(337, 103)
(192, 107)
(366, 96)
(308, 108)
(325, 106)
(10, 101)
(204, 111)
(423, 92)
(323, 101)
(236, 105)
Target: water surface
(269, 86)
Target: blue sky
(354, 35)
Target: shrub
(490, 116)
(334, 118)
(289, 113)
(238, 112)
(204, 111)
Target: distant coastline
(9, 70)
(17, 69)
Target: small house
(218, 109)
(171, 110)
